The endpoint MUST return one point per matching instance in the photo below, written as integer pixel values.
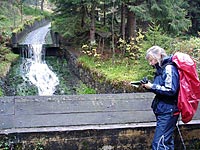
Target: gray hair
(156, 52)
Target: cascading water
(34, 67)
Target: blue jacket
(166, 87)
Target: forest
(114, 35)
(110, 36)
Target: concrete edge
(87, 127)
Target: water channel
(34, 68)
(36, 74)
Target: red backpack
(189, 94)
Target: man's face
(152, 61)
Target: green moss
(4, 68)
(18, 29)
(83, 89)
(11, 57)
(120, 70)
(1, 92)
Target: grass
(4, 67)
(120, 70)
(83, 89)
(123, 69)
(10, 57)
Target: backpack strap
(169, 63)
(168, 99)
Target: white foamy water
(35, 69)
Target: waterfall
(34, 68)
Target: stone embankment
(96, 80)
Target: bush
(191, 47)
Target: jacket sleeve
(170, 79)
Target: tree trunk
(92, 28)
(113, 33)
(42, 5)
(84, 13)
(104, 13)
(123, 18)
(131, 25)
(36, 5)
(21, 11)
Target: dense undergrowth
(125, 66)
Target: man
(166, 87)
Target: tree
(82, 12)
(88, 17)
(194, 14)
(170, 14)
(20, 4)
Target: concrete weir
(86, 122)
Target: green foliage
(191, 47)
(26, 23)
(75, 22)
(131, 48)
(3, 68)
(194, 14)
(18, 29)
(67, 26)
(10, 57)
(83, 89)
(91, 50)
(68, 83)
(8, 16)
(6, 57)
(156, 36)
(3, 18)
(4, 144)
(141, 10)
(71, 22)
(119, 71)
(17, 83)
(171, 15)
(32, 11)
(1, 92)
(39, 146)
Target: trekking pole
(181, 137)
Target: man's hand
(147, 85)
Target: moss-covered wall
(97, 80)
(103, 139)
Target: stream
(35, 69)
(36, 74)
